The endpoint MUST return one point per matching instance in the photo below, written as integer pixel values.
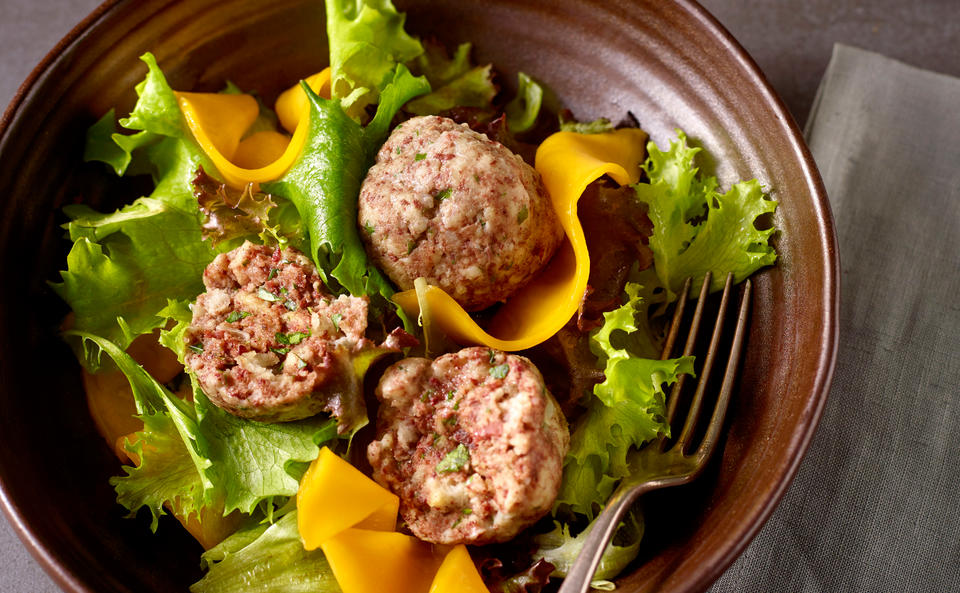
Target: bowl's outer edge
(828, 237)
(60, 574)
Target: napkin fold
(875, 505)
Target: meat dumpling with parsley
(448, 204)
(472, 443)
(268, 341)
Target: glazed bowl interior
(669, 64)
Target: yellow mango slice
(334, 496)
(260, 149)
(222, 118)
(215, 122)
(567, 162)
(458, 574)
(366, 561)
(211, 527)
(292, 104)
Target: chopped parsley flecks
(291, 339)
(492, 355)
(500, 371)
(236, 316)
(450, 420)
(369, 228)
(411, 245)
(301, 363)
(467, 511)
(420, 156)
(426, 395)
(523, 214)
(290, 305)
(443, 194)
(454, 461)
(198, 348)
(280, 351)
(266, 295)
(273, 273)
(335, 318)
(450, 394)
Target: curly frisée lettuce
(626, 412)
(696, 229)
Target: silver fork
(656, 466)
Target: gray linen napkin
(876, 503)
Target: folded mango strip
(567, 162)
(218, 122)
(352, 519)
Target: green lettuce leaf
(626, 412)
(172, 471)
(106, 145)
(367, 41)
(474, 88)
(266, 559)
(523, 110)
(125, 266)
(325, 181)
(454, 81)
(697, 229)
(257, 462)
(195, 455)
(561, 549)
(597, 126)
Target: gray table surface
(791, 40)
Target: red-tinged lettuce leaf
(367, 41)
(696, 229)
(230, 213)
(266, 559)
(325, 181)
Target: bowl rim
(829, 334)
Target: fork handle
(580, 576)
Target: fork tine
(674, 397)
(694, 413)
(720, 410)
(677, 319)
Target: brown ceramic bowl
(669, 63)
